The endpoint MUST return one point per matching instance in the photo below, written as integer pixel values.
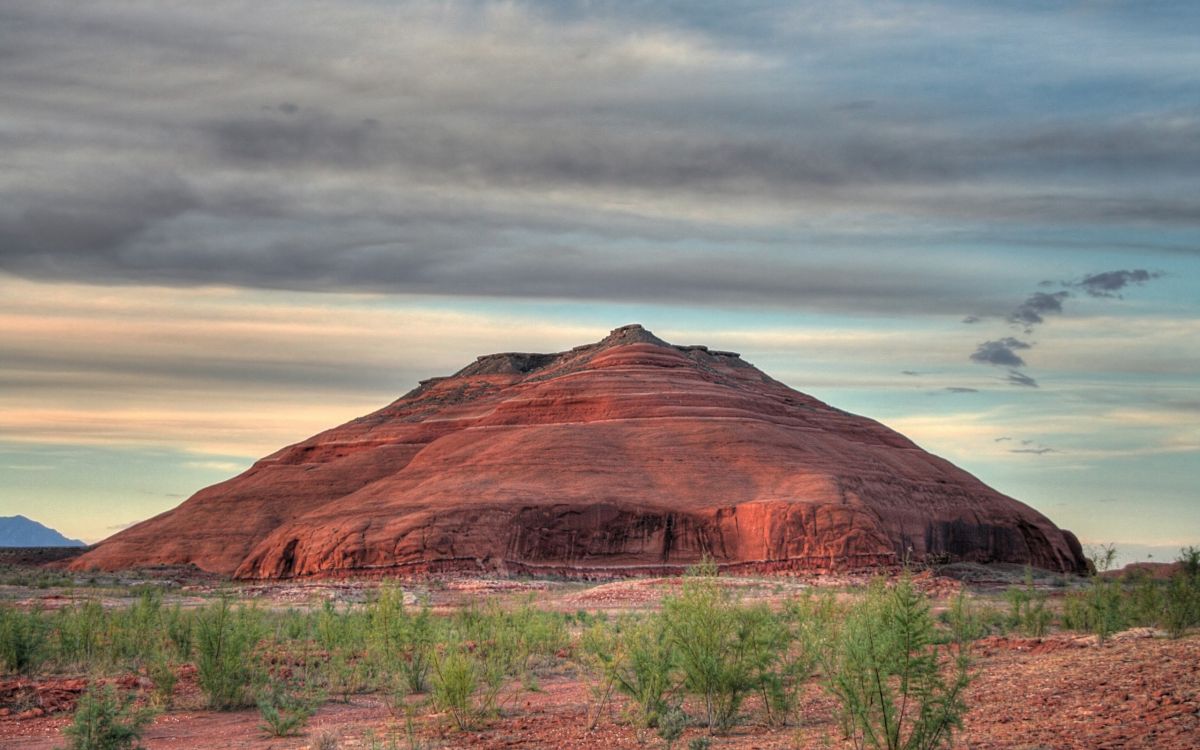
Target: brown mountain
(626, 456)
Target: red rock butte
(624, 457)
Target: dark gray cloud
(959, 389)
(94, 226)
(1030, 312)
(1015, 377)
(295, 139)
(1001, 352)
(683, 153)
(1034, 451)
(1110, 283)
(910, 373)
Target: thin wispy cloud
(1015, 377)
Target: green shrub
(403, 642)
(24, 639)
(1028, 612)
(455, 680)
(641, 669)
(671, 724)
(346, 676)
(105, 721)
(1145, 602)
(596, 653)
(180, 631)
(887, 674)
(964, 621)
(225, 667)
(348, 629)
(794, 637)
(81, 634)
(135, 633)
(286, 709)
(162, 674)
(723, 649)
(1181, 600)
(1101, 607)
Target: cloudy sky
(225, 226)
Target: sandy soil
(1138, 690)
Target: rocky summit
(624, 457)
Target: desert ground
(1137, 688)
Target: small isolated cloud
(215, 465)
(1034, 451)
(1032, 311)
(1020, 378)
(1002, 439)
(971, 319)
(1110, 283)
(910, 373)
(1001, 352)
(957, 389)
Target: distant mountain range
(19, 531)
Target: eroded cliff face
(624, 457)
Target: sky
(225, 226)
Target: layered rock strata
(628, 456)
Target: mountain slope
(19, 531)
(626, 456)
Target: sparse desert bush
(104, 720)
(671, 724)
(597, 649)
(162, 674)
(1144, 600)
(641, 668)
(1028, 612)
(327, 740)
(285, 709)
(180, 631)
(515, 641)
(723, 648)
(456, 680)
(1101, 607)
(24, 639)
(796, 637)
(482, 650)
(401, 641)
(889, 677)
(136, 631)
(348, 629)
(81, 634)
(346, 675)
(1181, 600)
(225, 667)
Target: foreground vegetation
(706, 659)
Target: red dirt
(1063, 692)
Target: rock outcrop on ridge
(622, 457)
